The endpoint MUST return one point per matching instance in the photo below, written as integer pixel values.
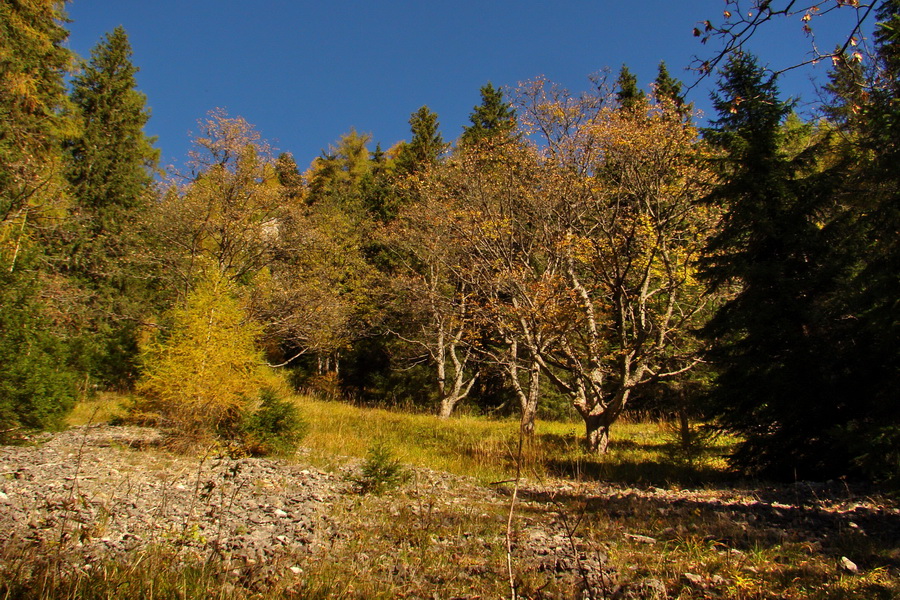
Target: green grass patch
(105, 407)
(487, 448)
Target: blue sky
(304, 72)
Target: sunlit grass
(104, 407)
(479, 447)
(487, 448)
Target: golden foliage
(207, 372)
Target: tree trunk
(596, 434)
(529, 400)
(529, 414)
(448, 403)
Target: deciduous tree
(437, 302)
(206, 373)
(630, 236)
(226, 210)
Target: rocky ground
(102, 493)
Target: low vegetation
(644, 522)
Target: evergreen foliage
(667, 86)
(494, 116)
(111, 162)
(36, 384)
(629, 96)
(846, 87)
(426, 146)
(770, 338)
(275, 427)
(588, 246)
(37, 388)
(667, 89)
(110, 166)
(868, 357)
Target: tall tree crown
(628, 95)
(668, 89)
(111, 163)
(426, 145)
(492, 117)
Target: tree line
(574, 253)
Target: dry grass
(105, 407)
(684, 525)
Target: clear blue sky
(306, 72)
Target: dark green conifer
(426, 145)
(494, 116)
(628, 95)
(869, 353)
(773, 386)
(112, 162)
(110, 170)
(669, 89)
(847, 90)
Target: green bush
(37, 387)
(276, 427)
(380, 471)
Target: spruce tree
(494, 116)
(379, 193)
(846, 88)
(110, 169)
(112, 162)
(628, 95)
(868, 352)
(668, 89)
(773, 385)
(426, 145)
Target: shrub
(380, 471)
(276, 427)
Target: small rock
(280, 513)
(295, 570)
(848, 565)
(641, 538)
(693, 579)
